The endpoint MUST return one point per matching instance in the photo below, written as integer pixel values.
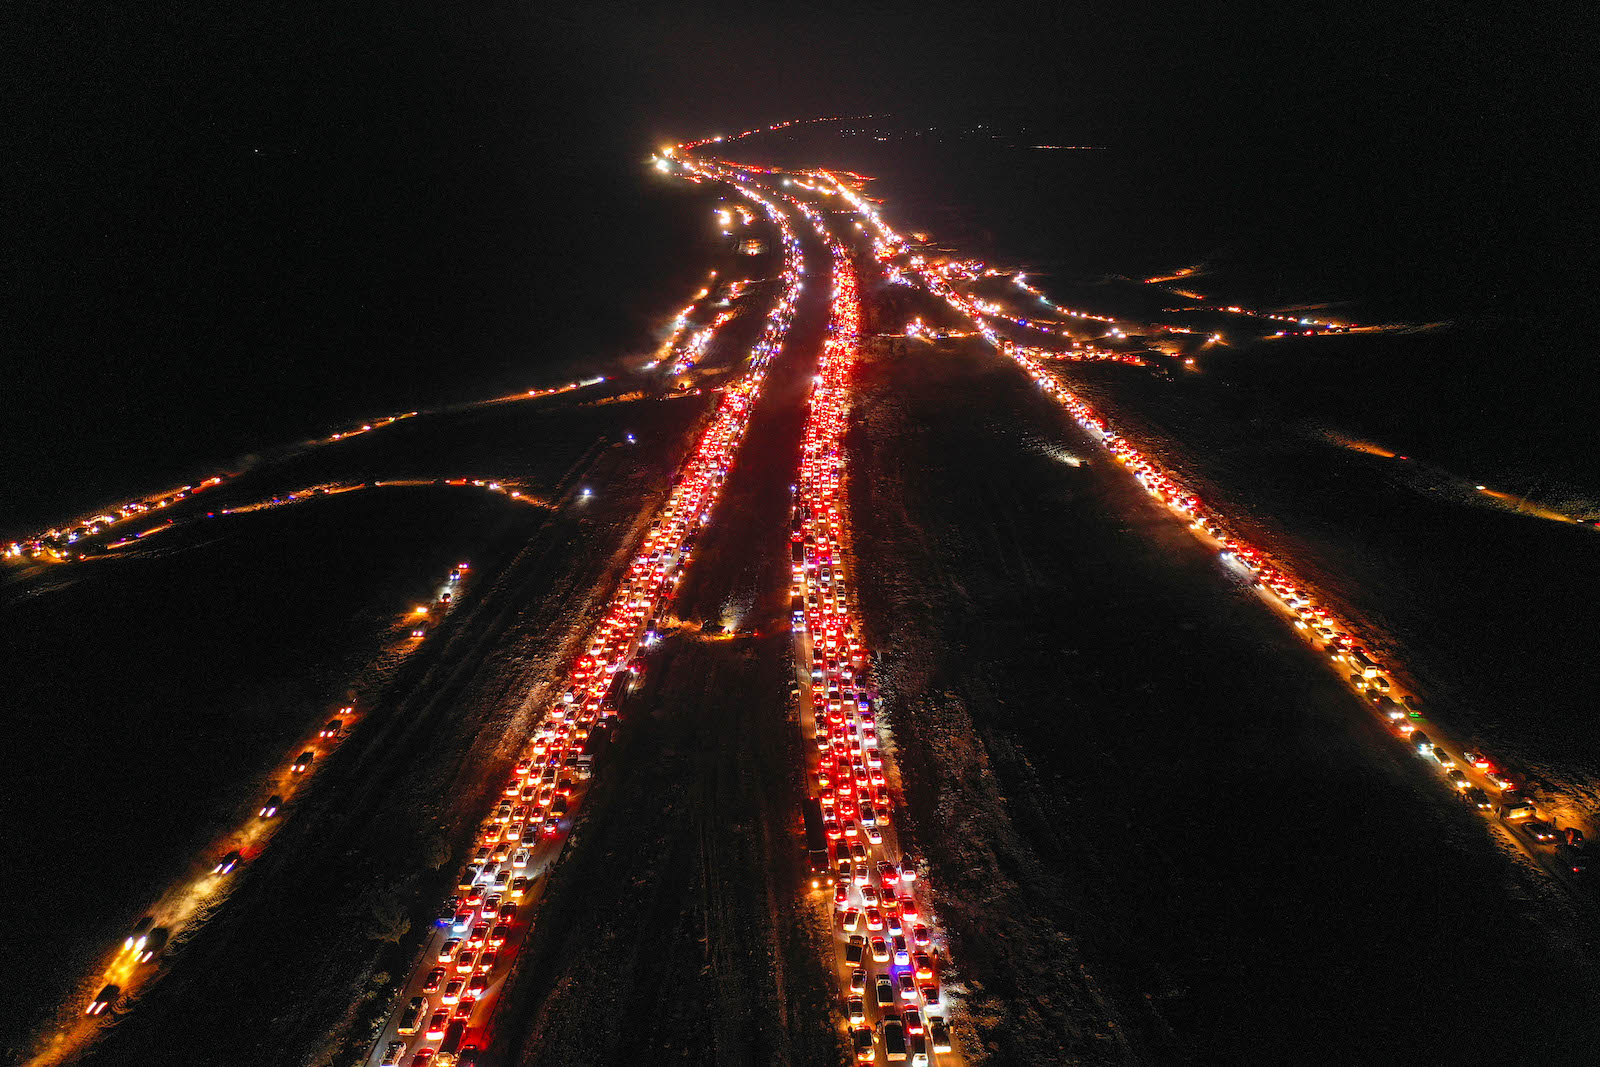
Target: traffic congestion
(889, 957)
(1555, 842)
(445, 1013)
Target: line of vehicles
(888, 962)
(449, 1001)
(1474, 776)
(129, 966)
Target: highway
(889, 952)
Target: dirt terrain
(1157, 825)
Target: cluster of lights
(874, 887)
(55, 545)
(1297, 325)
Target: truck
(817, 844)
(894, 1041)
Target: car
(447, 951)
(1445, 759)
(227, 863)
(852, 918)
(508, 911)
(520, 858)
(303, 764)
(411, 1018)
(434, 980)
(477, 985)
(863, 1038)
(436, 1025)
(869, 893)
(491, 906)
(423, 1057)
(920, 936)
(392, 1054)
(902, 953)
(452, 991)
(519, 886)
(1422, 742)
(856, 1009)
(930, 995)
(912, 1018)
(152, 943)
(103, 1000)
(1476, 759)
(447, 911)
(468, 879)
(479, 934)
(874, 919)
(1457, 779)
(885, 991)
(271, 808)
(923, 964)
(908, 987)
(333, 728)
(1539, 830)
(858, 981)
(875, 835)
(940, 1033)
(464, 1008)
(908, 907)
(466, 960)
(855, 950)
(498, 935)
(461, 921)
(141, 931)
(1499, 779)
(880, 950)
(486, 962)
(1476, 797)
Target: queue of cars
(1563, 847)
(485, 925)
(893, 998)
(147, 939)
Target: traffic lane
(889, 850)
(1132, 708)
(483, 1014)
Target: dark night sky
(234, 223)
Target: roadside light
(1482, 488)
(420, 610)
(587, 492)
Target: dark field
(1194, 843)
